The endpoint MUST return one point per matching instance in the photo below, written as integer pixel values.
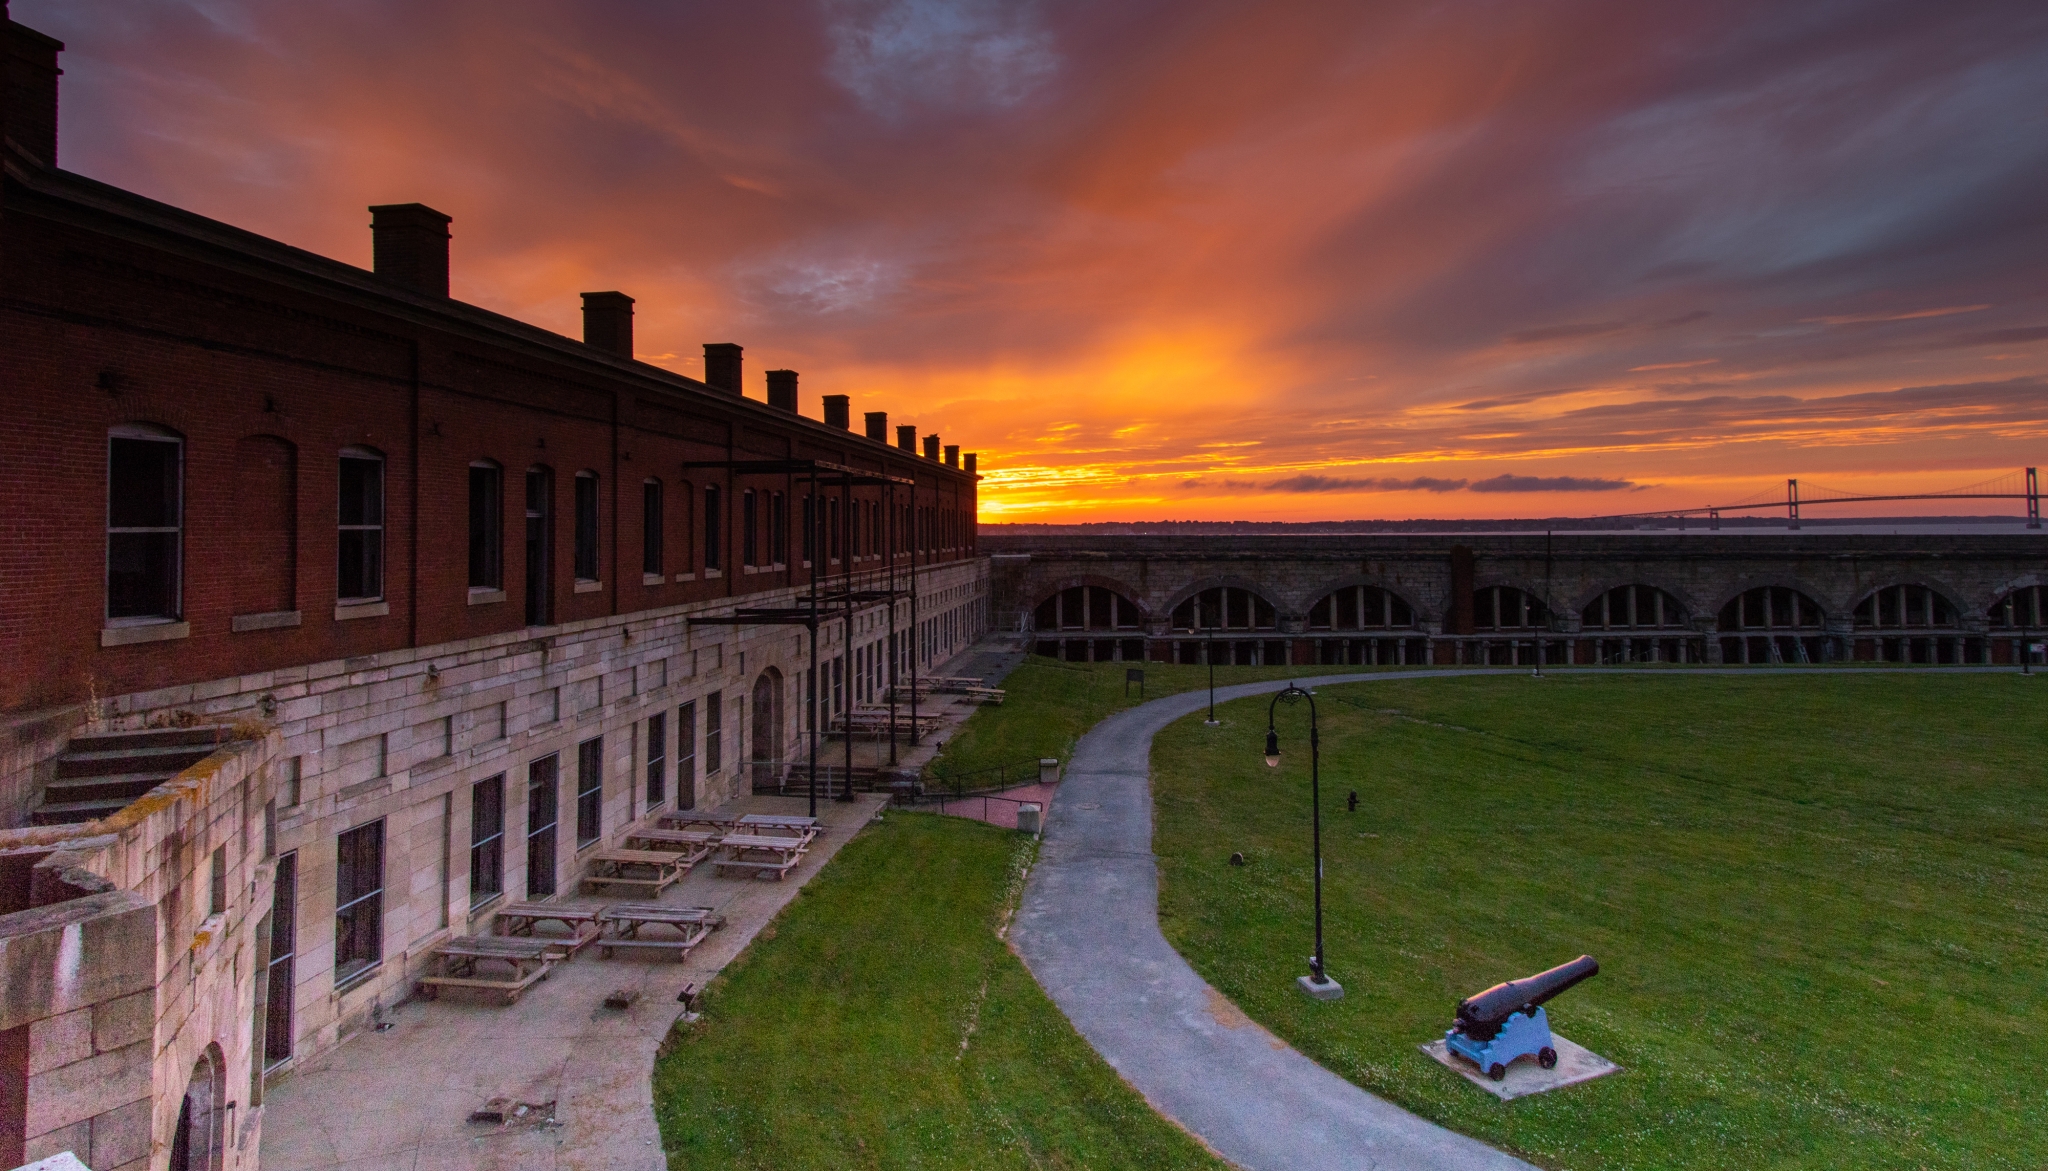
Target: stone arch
(1361, 605)
(1773, 623)
(2015, 621)
(1633, 605)
(1230, 597)
(1089, 602)
(198, 1139)
(1498, 605)
(1908, 601)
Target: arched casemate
(1637, 624)
(1773, 624)
(1227, 622)
(1910, 624)
(1089, 624)
(1510, 623)
(2015, 622)
(1365, 625)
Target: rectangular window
(778, 529)
(713, 530)
(832, 529)
(586, 526)
(358, 901)
(650, 527)
(542, 795)
(750, 520)
(712, 720)
(145, 524)
(540, 545)
(686, 756)
(810, 517)
(486, 840)
(217, 893)
(361, 572)
(486, 526)
(657, 759)
(279, 966)
(589, 791)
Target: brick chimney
(952, 455)
(878, 426)
(969, 462)
(28, 108)
(931, 447)
(906, 438)
(838, 411)
(722, 367)
(782, 390)
(608, 323)
(409, 246)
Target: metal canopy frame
(843, 598)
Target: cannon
(1506, 1022)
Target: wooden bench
(690, 846)
(993, 695)
(519, 920)
(624, 922)
(652, 871)
(768, 856)
(457, 964)
(780, 825)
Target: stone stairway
(101, 773)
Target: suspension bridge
(2019, 485)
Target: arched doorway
(765, 736)
(198, 1143)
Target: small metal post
(2033, 500)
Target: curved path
(1089, 931)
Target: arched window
(1087, 608)
(1508, 608)
(145, 523)
(714, 528)
(1902, 607)
(686, 493)
(750, 527)
(360, 573)
(1633, 607)
(2018, 610)
(587, 568)
(650, 529)
(540, 545)
(1772, 624)
(1361, 607)
(486, 525)
(1224, 608)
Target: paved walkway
(399, 1100)
(1089, 931)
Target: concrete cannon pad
(1575, 1064)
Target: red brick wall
(107, 322)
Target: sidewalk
(399, 1100)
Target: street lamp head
(1272, 748)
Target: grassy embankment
(880, 1022)
(1820, 904)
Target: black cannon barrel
(1502, 1001)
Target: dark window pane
(279, 967)
(686, 756)
(142, 575)
(657, 759)
(486, 839)
(586, 527)
(712, 726)
(589, 790)
(650, 528)
(713, 530)
(541, 798)
(359, 900)
(142, 484)
(362, 564)
(486, 527)
(362, 491)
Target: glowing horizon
(1196, 260)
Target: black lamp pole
(1293, 692)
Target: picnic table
(653, 871)
(710, 819)
(463, 963)
(690, 846)
(780, 824)
(518, 920)
(766, 855)
(984, 694)
(677, 929)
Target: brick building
(335, 610)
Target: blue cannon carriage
(1505, 1023)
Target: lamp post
(1317, 983)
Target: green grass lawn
(881, 1022)
(1820, 904)
(1049, 704)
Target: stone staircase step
(122, 787)
(73, 812)
(206, 734)
(126, 759)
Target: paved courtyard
(399, 1100)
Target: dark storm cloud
(1314, 483)
(1508, 483)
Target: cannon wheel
(1547, 1057)
(1496, 1071)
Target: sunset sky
(1195, 260)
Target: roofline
(274, 260)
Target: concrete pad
(1329, 989)
(402, 1098)
(1575, 1064)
